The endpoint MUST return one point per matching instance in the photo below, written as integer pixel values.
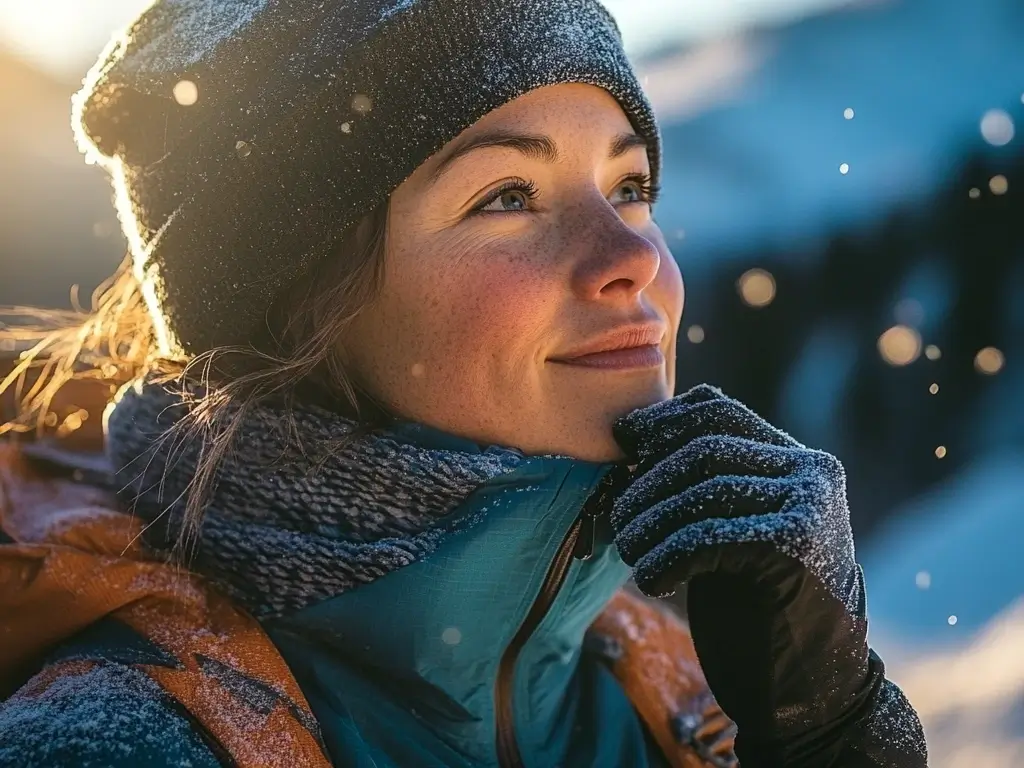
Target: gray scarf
(282, 530)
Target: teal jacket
(472, 657)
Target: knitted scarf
(282, 529)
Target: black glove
(759, 526)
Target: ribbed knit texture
(282, 529)
(308, 115)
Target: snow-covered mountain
(755, 131)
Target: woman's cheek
(504, 298)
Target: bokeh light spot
(923, 579)
(756, 287)
(362, 103)
(695, 334)
(909, 312)
(989, 361)
(451, 636)
(999, 185)
(900, 345)
(186, 93)
(940, 452)
(997, 127)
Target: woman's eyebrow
(536, 147)
(625, 142)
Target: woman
(402, 402)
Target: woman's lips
(646, 356)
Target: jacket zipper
(579, 543)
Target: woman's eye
(631, 192)
(634, 190)
(513, 196)
(511, 200)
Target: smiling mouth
(628, 347)
(629, 358)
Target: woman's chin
(590, 437)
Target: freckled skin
(478, 303)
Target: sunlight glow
(64, 36)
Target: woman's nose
(616, 263)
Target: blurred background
(844, 191)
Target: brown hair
(295, 359)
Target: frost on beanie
(243, 137)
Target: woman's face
(516, 257)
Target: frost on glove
(758, 525)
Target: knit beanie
(244, 137)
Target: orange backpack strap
(75, 561)
(211, 658)
(231, 678)
(651, 653)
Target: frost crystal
(390, 9)
(192, 30)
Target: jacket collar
(481, 637)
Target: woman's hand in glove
(759, 526)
